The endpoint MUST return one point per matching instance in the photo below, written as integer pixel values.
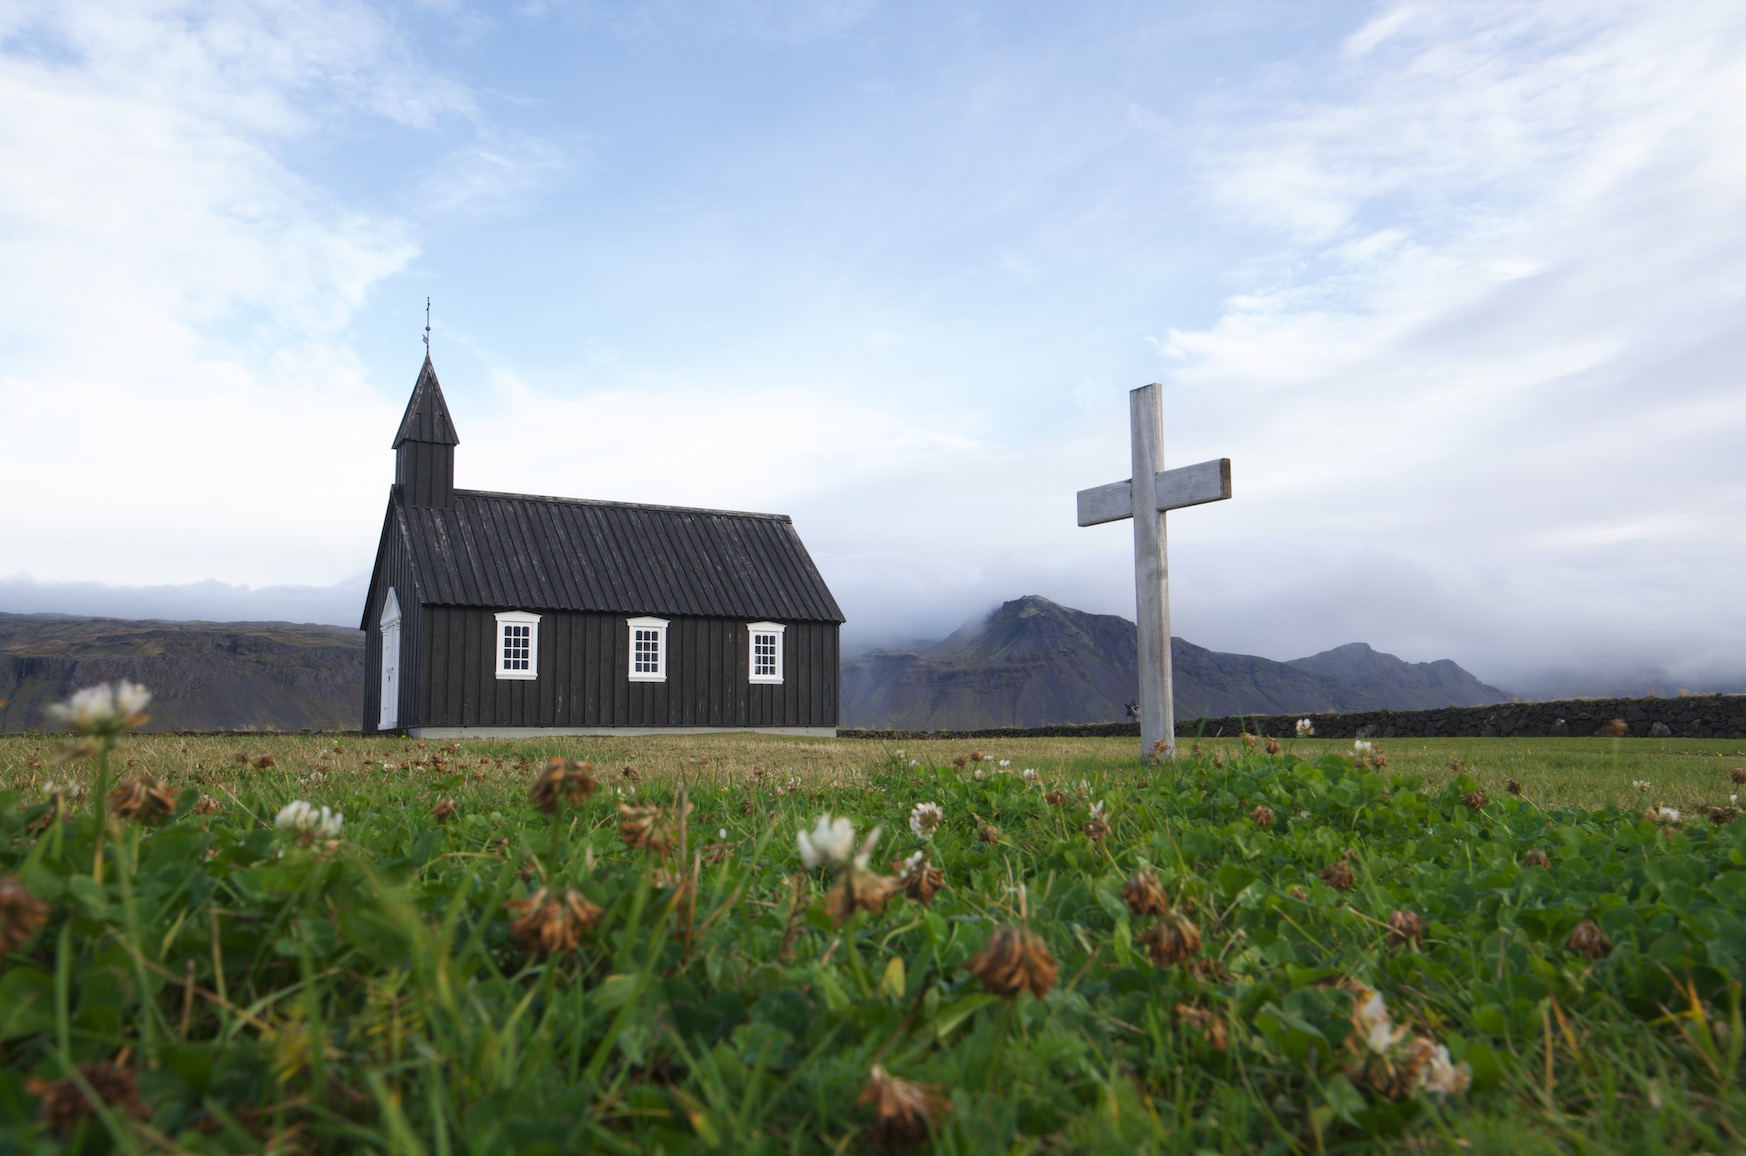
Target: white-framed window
(518, 644)
(648, 649)
(389, 715)
(764, 651)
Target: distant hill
(202, 675)
(1034, 662)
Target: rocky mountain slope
(202, 675)
(1033, 663)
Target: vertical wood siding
(583, 665)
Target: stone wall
(1698, 716)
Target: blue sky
(1458, 287)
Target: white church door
(390, 662)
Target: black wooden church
(499, 614)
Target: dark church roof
(538, 553)
(427, 414)
(526, 552)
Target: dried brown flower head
(1618, 728)
(903, 1111)
(242, 757)
(1534, 857)
(1016, 959)
(443, 809)
(1174, 938)
(1738, 774)
(206, 806)
(1298, 893)
(1394, 1073)
(977, 756)
(141, 797)
(21, 913)
(629, 775)
(920, 878)
(64, 1103)
(1379, 761)
(1144, 894)
(1095, 829)
(858, 890)
(499, 845)
(1273, 748)
(1262, 815)
(1211, 1027)
(548, 923)
(1218, 759)
(650, 828)
(988, 833)
(746, 805)
(266, 763)
(1588, 939)
(1512, 786)
(1339, 875)
(1055, 798)
(1722, 816)
(564, 783)
(1405, 927)
(1248, 741)
(960, 761)
(1476, 799)
(716, 854)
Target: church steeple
(424, 449)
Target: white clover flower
(1641, 785)
(722, 834)
(866, 852)
(1373, 1022)
(911, 864)
(925, 819)
(300, 818)
(915, 762)
(104, 709)
(1006, 762)
(1305, 728)
(978, 775)
(72, 790)
(387, 766)
(1361, 747)
(1029, 773)
(1097, 815)
(1733, 799)
(1441, 1078)
(1667, 814)
(900, 754)
(831, 842)
(1084, 786)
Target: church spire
(424, 448)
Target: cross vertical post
(1151, 573)
(1146, 498)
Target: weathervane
(427, 326)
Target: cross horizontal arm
(1183, 486)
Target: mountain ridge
(1033, 662)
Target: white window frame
(753, 629)
(659, 626)
(388, 689)
(507, 618)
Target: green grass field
(1552, 971)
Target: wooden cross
(1145, 498)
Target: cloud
(175, 305)
(338, 605)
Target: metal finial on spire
(427, 326)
